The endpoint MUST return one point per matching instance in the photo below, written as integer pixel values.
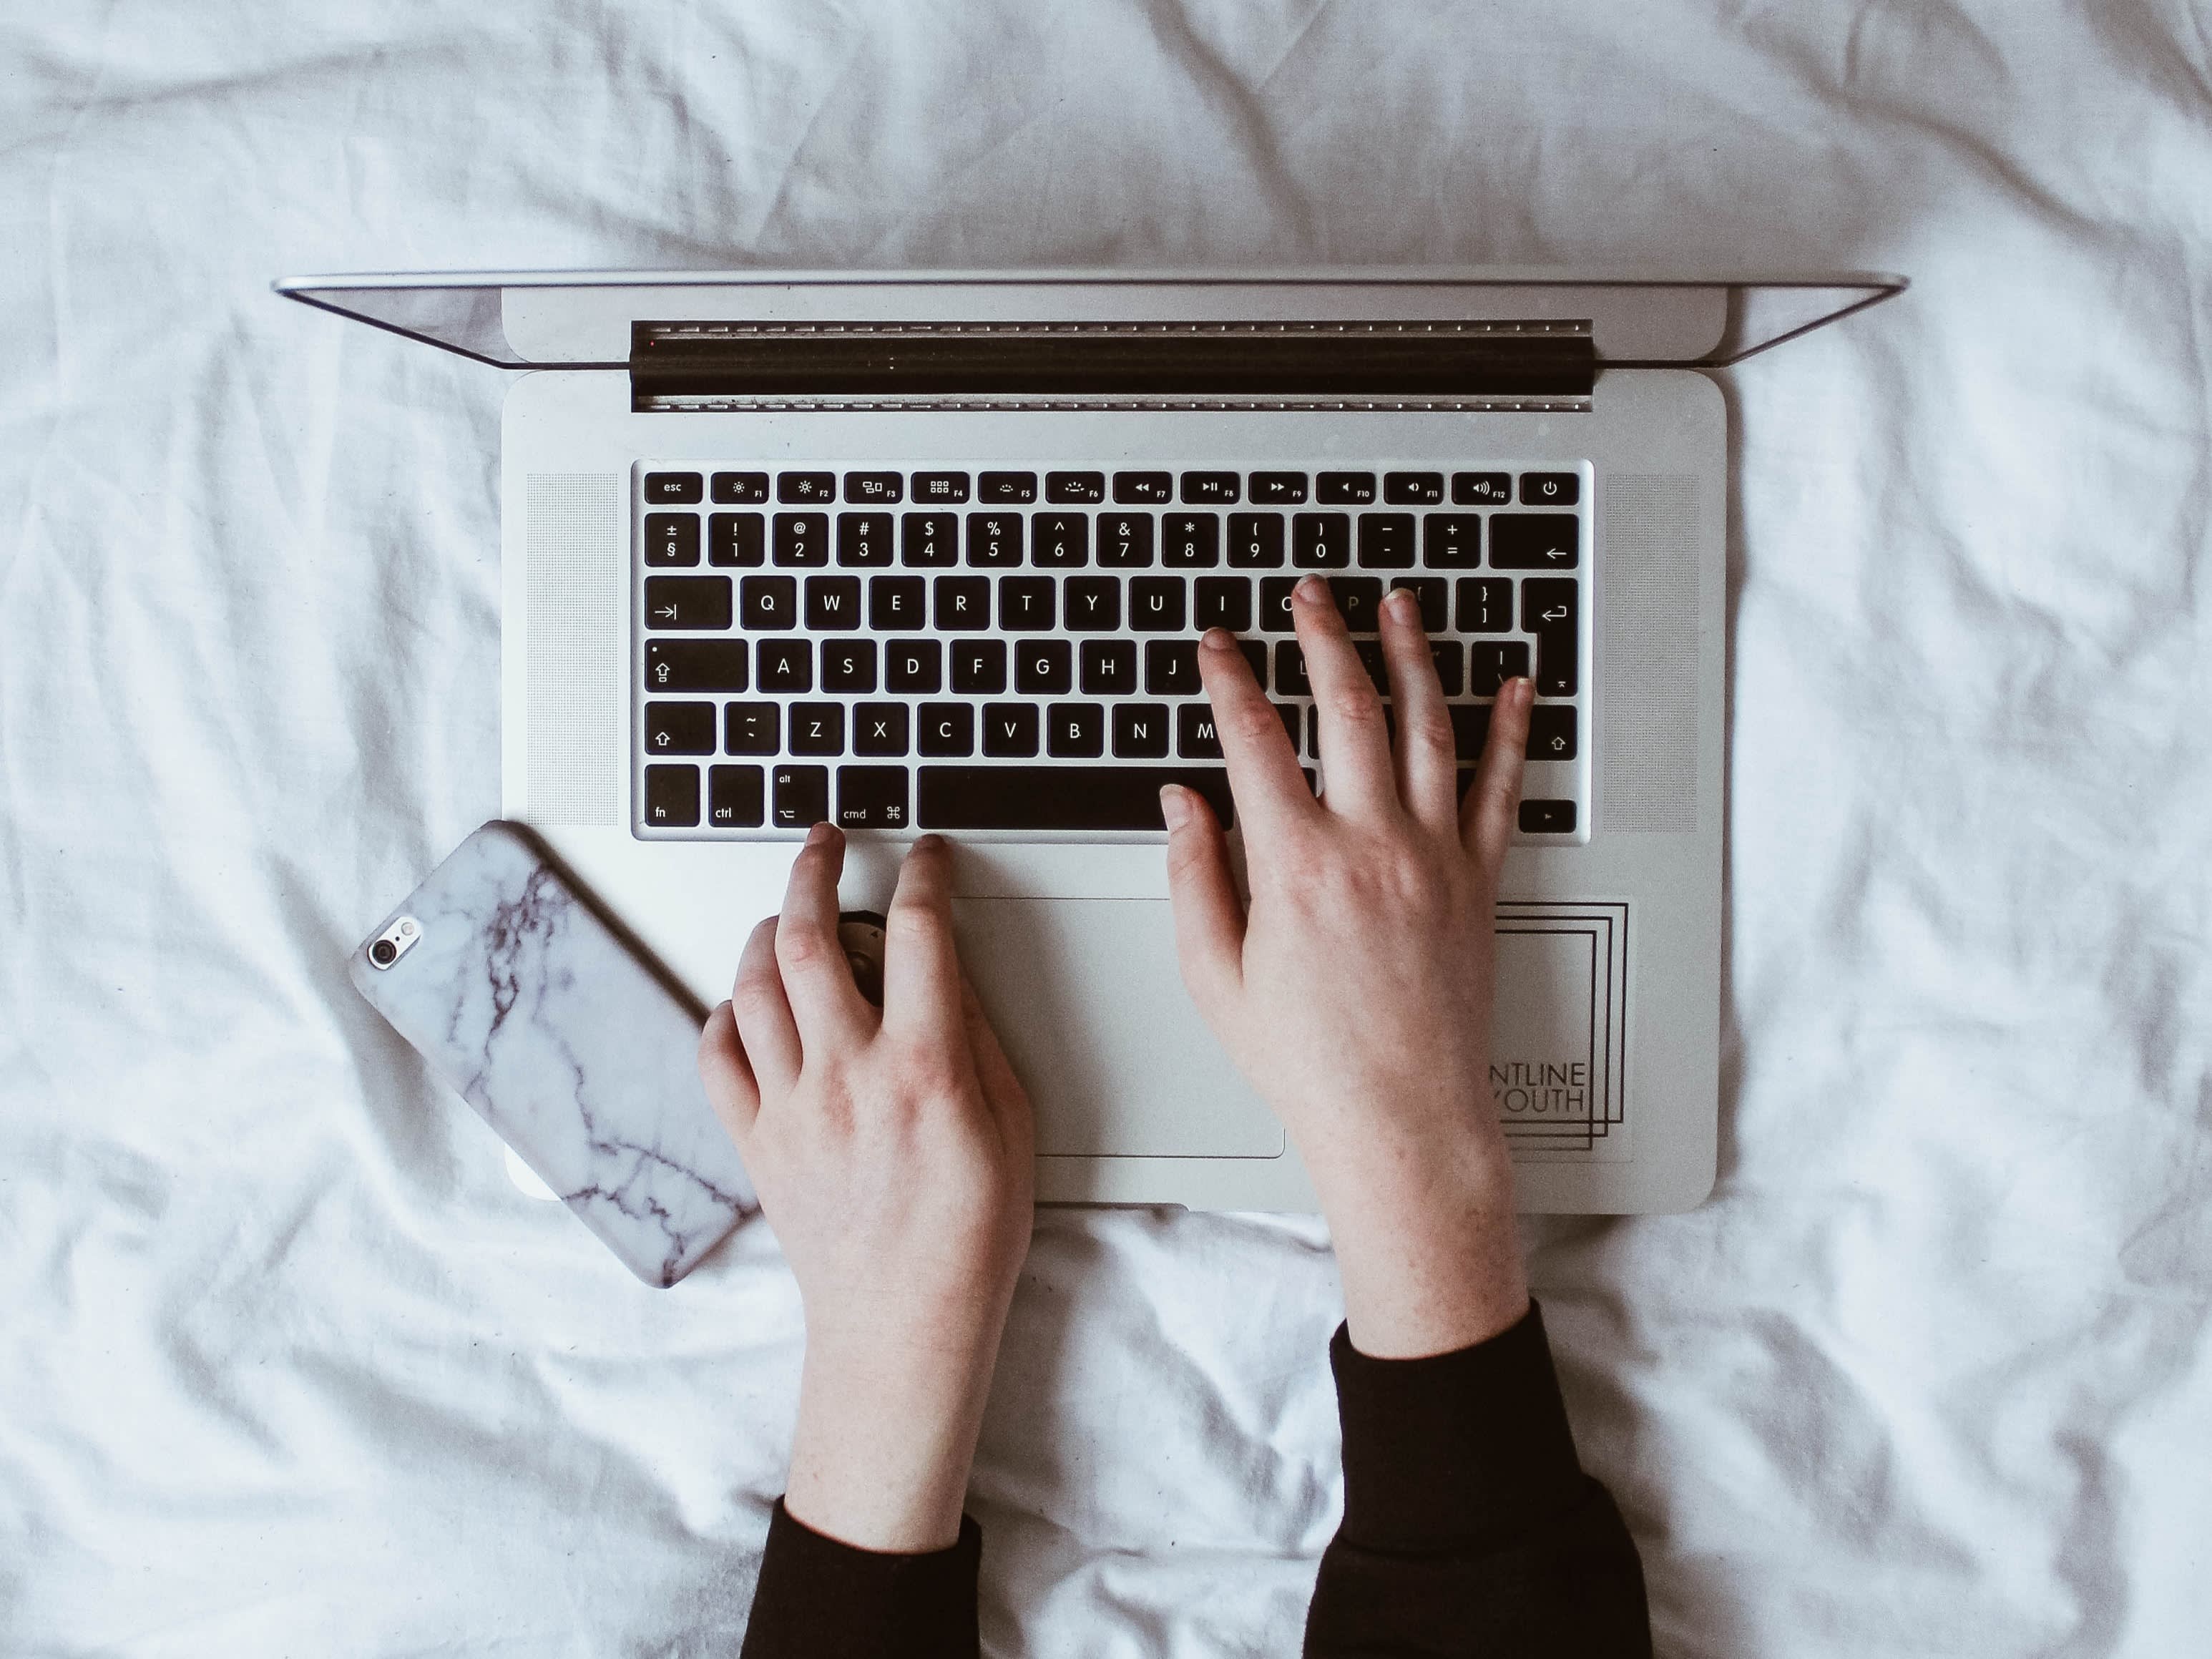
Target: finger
(1264, 778)
(1493, 805)
(817, 979)
(731, 1088)
(1209, 922)
(921, 969)
(1355, 753)
(766, 1030)
(1002, 1089)
(1428, 772)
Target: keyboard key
(1348, 489)
(1485, 604)
(1278, 488)
(672, 489)
(802, 796)
(740, 489)
(945, 728)
(948, 487)
(896, 602)
(1075, 730)
(1042, 668)
(671, 797)
(864, 538)
(1551, 488)
(802, 538)
(1321, 541)
(1432, 595)
(1063, 540)
(1255, 655)
(873, 487)
(1025, 604)
(1092, 605)
(785, 666)
(680, 728)
(687, 602)
(871, 798)
(1547, 817)
(818, 728)
(849, 665)
(994, 539)
(1482, 488)
(1190, 540)
(768, 603)
(1077, 489)
(753, 728)
(1255, 540)
(805, 486)
(1548, 610)
(1006, 487)
(1386, 540)
(929, 539)
(695, 664)
(1450, 658)
(737, 538)
(833, 603)
(1535, 541)
(879, 728)
(1470, 729)
(1223, 601)
(1140, 731)
(979, 666)
(1413, 489)
(963, 604)
(1291, 679)
(671, 538)
(1010, 730)
(1551, 731)
(1144, 488)
(1275, 604)
(1211, 488)
(1156, 604)
(1059, 797)
(1357, 599)
(1195, 738)
(736, 796)
(1171, 668)
(914, 666)
(1454, 540)
(1491, 663)
(1125, 540)
(1109, 668)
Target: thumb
(1209, 920)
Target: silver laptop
(917, 552)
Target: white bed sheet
(290, 1368)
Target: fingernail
(1402, 605)
(1175, 807)
(1218, 638)
(928, 843)
(820, 833)
(1311, 589)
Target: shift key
(701, 602)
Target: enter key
(1550, 610)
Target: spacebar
(1059, 797)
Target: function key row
(1077, 489)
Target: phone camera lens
(384, 953)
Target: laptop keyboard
(1002, 648)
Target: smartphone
(580, 1051)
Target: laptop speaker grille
(1648, 748)
(576, 551)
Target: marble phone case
(580, 1055)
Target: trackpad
(1087, 998)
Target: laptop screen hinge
(1489, 364)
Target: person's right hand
(1355, 993)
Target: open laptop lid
(709, 338)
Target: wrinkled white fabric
(290, 1368)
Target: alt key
(802, 797)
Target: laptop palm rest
(1086, 995)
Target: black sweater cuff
(830, 1601)
(1462, 1450)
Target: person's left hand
(892, 1152)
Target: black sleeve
(824, 1599)
(1469, 1526)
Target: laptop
(924, 552)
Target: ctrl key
(733, 797)
(671, 797)
(871, 798)
(802, 797)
